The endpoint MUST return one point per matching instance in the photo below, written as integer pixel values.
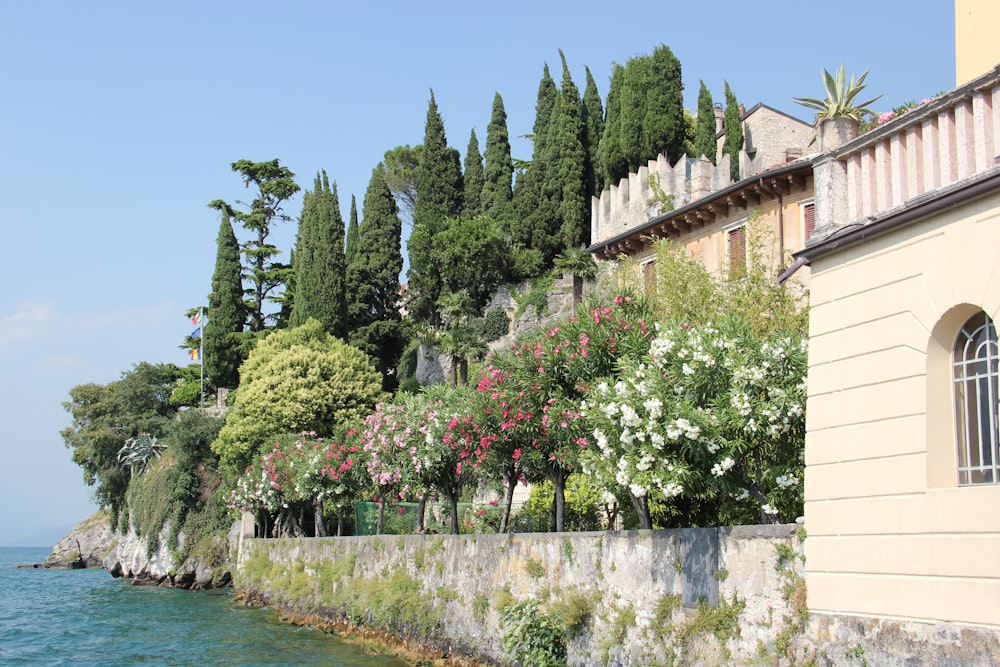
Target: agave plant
(138, 451)
(840, 96)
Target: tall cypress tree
(439, 197)
(732, 125)
(566, 181)
(226, 312)
(663, 127)
(373, 312)
(498, 172)
(634, 93)
(472, 179)
(614, 166)
(532, 210)
(704, 134)
(352, 236)
(319, 260)
(592, 115)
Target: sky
(119, 121)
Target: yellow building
(902, 486)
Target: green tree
(375, 324)
(351, 244)
(106, 417)
(319, 260)
(273, 186)
(297, 379)
(614, 166)
(469, 253)
(439, 198)
(592, 115)
(704, 134)
(566, 179)
(400, 165)
(663, 127)
(534, 213)
(498, 172)
(472, 179)
(221, 351)
(732, 125)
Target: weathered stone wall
(693, 596)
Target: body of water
(85, 617)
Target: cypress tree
(319, 260)
(226, 312)
(375, 322)
(498, 172)
(534, 213)
(732, 125)
(663, 127)
(634, 92)
(566, 181)
(352, 235)
(439, 196)
(592, 114)
(704, 134)
(472, 179)
(614, 166)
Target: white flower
(657, 440)
(767, 509)
(687, 370)
(672, 489)
(636, 490)
(654, 407)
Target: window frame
(975, 366)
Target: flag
(196, 319)
(196, 354)
(196, 333)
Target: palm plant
(840, 96)
(581, 264)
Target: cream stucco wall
(977, 49)
(890, 532)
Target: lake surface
(85, 617)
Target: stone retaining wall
(691, 596)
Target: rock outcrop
(93, 543)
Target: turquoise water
(85, 617)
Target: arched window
(976, 395)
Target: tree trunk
(577, 290)
(381, 516)
(508, 500)
(453, 501)
(559, 506)
(641, 505)
(340, 520)
(463, 370)
(454, 371)
(319, 529)
(421, 511)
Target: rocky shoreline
(93, 544)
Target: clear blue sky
(119, 122)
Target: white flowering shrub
(712, 411)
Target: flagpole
(201, 351)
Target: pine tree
(319, 260)
(439, 197)
(226, 312)
(614, 166)
(663, 127)
(498, 172)
(732, 125)
(373, 310)
(352, 235)
(566, 180)
(274, 185)
(592, 114)
(472, 179)
(704, 135)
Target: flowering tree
(292, 477)
(709, 410)
(388, 440)
(539, 385)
